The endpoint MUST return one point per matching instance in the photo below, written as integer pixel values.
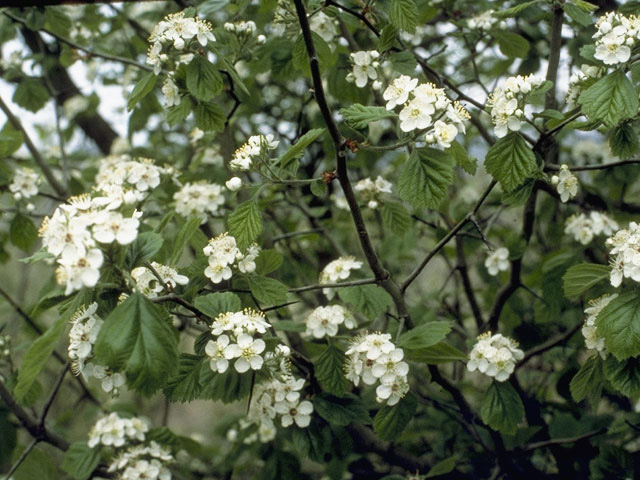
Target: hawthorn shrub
(304, 239)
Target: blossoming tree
(372, 239)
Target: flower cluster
(371, 190)
(176, 31)
(583, 228)
(580, 79)
(234, 332)
(592, 340)
(485, 21)
(72, 235)
(365, 65)
(625, 254)
(508, 101)
(223, 254)
(256, 146)
(495, 356)
(337, 270)
(24, 184)
(242, 28)
(421, 105)
(616, 37)
(199, 200)
(324, 321)
(116, 431)
(374, 358)
(140, 462)
(566, 183)
(125, 180)
(86, 325)
(323, 25)
(497, 261)
(148, 284)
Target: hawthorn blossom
(497, 261)
(495, 356)
(566, 183)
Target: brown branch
(603, 166)
(560, 441)
(549, 344)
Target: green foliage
(623, 141)
(142, 250)
(210, 116)
(436, 354)
(268, 291)
(619, 324)
(463, 160)
(143, 88)
(80, 460)
(341, 411)
(390, 422)
(8, 437)
(511, 44)
(10, 140)
(404, 15)
(610, 100)
(510, 161)
(329, 371)
(369, 300)
(203, 79)
(296, 150)
(588, 381)
(23, 232)
(582, 277)
(425, 176)
(213, 304)
(515, 10)
(184, 385)
(245, 223)
(184, 235)
(424, 336)
(31, 94)
(623, 375)
(360, 116)
(137, 337)
(268, 261)
(502, 408)
(577, 14)
(395, 217)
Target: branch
(52, 396)
(22, 458)
(603, 166)
(317, 286)
(549, 344)
(559, 441)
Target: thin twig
(22, 458)
(603, 166)
(52, 396)
(560, 441)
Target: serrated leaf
(10, 140)
(213, 304)
(619, 324)
(395, 217)
(184, 385)
(360, 116)
(580, 278)
(577, 14)
(179, 113)
(267, 290)
(588, 380)
(387, 38)
(425, 176)
(623, 141)
(227, 387)
(188, 229)
(31, 94)
(80, 460)
(403, 62)
(245, 223)
(329, 371)
(501, 407)
(22, 232)
(143, 248)
(611, 99)
(437, 354)
(463, 159)
(137, 337)
(341, 411)
(404, 15)
(296, 150)
(510, 161)
(142, 89)
(389, 422)
(210, 117)
(203, 79)
(425, 335)
(514, 11)
(443, 467)
(511, 44)
(623, 375)
(268, 261)
(369, 300)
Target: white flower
(83, 334)
(323, 25)
(24, 184)
(625, 254)
(566, 183)
(484, 21)
(147, 283)
(256, 146)
(112, 227)
(233, 184)
(616, 35)
(497, 261)
(592, 339)
(416, 115)
(171, 93)
(584, 228)
(199, 200)
(77, 271)
(247, 351)
(324, 321)
(114, 430)
(300, 414)
(507, 102)
(444, 133)
(337, 270)
(495, 356)
(398, 92)
(364, 67)
(215, 351)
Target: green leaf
(80, 460)
(623, 141)
(403, 62)
(623, 375)
(425, 176)
(8, 438)
(268, 290)
(463, 160)
(40, 465)
(586, 6)
(516, 10)
(203, 79)
(443, 467)
(404, 15)
(610, 100)
(137, 337)
(619, 324)
(312, 442)
(369, 300)
(510, 161)
(268, 261)
(319, 189)
(37, 357)
(389, 422)
(511, 44)
(502, 408)
(425, 335)
(296, 150)
(210, 116)
(329, 371)
(23, 232)
(188, 229)
(395, 217)
(588, 380)
(143, 248)
(387, 38)
(179, 113)
(31, 94)
(519, 195)
(341, 411)
(10, 140)
(580, 278)
(227, 387)
(577, 14)
(613, 463)
(214, 304)
(142, 89)
(360, 116)
(436, 354)
(184, 385)
(245, 223)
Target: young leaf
(580, 278)
(245, 223)
(360, 116)
(404, 15)
(436, 354)
(577, 14)
(267, 290)
(425, 335)
(619, 324)
(511, 44)
(502, 408)
(515, 11)
(389, 422)
(588, 381)
(610, 100)
(463, 160)
(329, 371)
(296, 150)
(80, 460)
(510, 161)
(137, 337)
(183, 236)
(388, 37)
(142, 89)
(214, 304)
(425, 176)
(395, 217)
